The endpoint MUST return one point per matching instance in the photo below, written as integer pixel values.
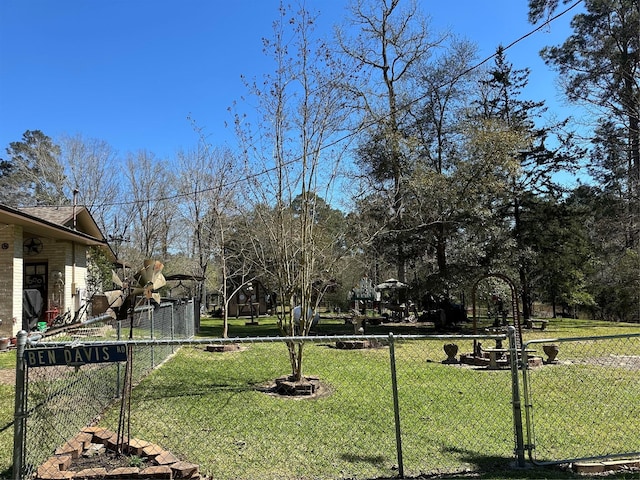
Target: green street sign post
(75, 356)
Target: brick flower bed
(92, 455)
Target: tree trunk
(522, 262)
(441, 251)
(526, 300)
(401, 264)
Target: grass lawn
(256, 440)
(7, 400)
(183, 404)
(560, 327)
(7, 393)
(8, 360)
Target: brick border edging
(165, 464)
(609, 466)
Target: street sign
(75, 356)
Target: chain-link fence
(57, 397)
(391, 408)
(382, 406)
(170, 320)
(584, 402)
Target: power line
(362, 127)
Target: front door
(35, 278)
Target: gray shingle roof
(62, 215)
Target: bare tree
(300, 113)
(94, 172)
(389, 45)
(208, 187)
(443, 84)
(149, 206)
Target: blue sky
(131, 72)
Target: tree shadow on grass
(214, 330)
(377, 460)
(169, 391)
(493, 467)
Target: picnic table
(498, 353)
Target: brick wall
(11, 267)
(59, 256)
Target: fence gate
(583, 403)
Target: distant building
(250, 299)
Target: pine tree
(32, 174)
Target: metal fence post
(396, 404)
(515, 394)
(20, 413)
(190, 319)
(118, 371)
(152, 334)
(173, 328)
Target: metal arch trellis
(515, 308)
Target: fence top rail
(39, 342)
(576, 339)
(105, 317)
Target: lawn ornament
(297, 315)
(144, 284)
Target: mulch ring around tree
(226, 347)
(309, 388)
(95, 453)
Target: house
(43, 258)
